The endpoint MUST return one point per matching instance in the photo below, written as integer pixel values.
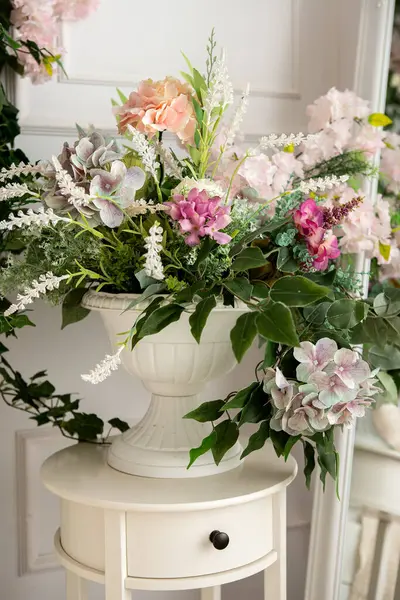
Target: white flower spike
(45, 284)
(104, 369)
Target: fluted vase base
(159, 445)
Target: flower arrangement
(262, 226)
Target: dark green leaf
(204, 447)
(270, 355)
(42, 390)
(198, 318)
(393, 295)
(346, 313)
(255, 409)
(285, 262)
(276, 323)
(309, 462)
(85, 426)
(297, 291)
(257, 439)
(376, 331)
(207, 245)
(243, 334)
(38, 375)
(72, 311)
(323, 278)
(143, 279)
(316, 314)
(327, 463)
(289, 445)
(118, 424)
(19, 321)
(208, 411)
(160, 318)
(260, 290)
(249, 258)
(241, 398)
(279, 440)
(227, 434)
(321, 333)
(240, 287)
(187, 294)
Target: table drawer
(166, 545)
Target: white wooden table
(132, 533)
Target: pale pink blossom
(259, 172)
(159, 106)
(336, 105)
(312, 357)
(369, 139)
(349, 367)
(72, 10)
(331, 388)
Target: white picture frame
(329, 517)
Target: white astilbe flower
(15, 190)
(274, 141)
(171, 165)
(238, 116)
(40, 218)
(146, 151)
(45, 284)
(322, 183)
(103, 370)
(141, 207)
(18, 170)
(75, 194)
(220, 91)
(153, 243)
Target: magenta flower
(199, 215)
(313, 358)
(327, 250)
(309, 217)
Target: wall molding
(30, 559)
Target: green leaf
(198, 111)
(327, 463)
(381, 304)
(254, 410)
(143, 279)
(118, 424)
(316, 314)
(72, 311)
(208, 411)
(204, 447)
(376, 331)
(257, 439)
(205, 249)
(387, 358)
(260, 290)
(389, 386)
(199, 82)
(241, 398)
(276, 323)
(122, 96)
(326, 279)
(297, 291)
(309, 462)
(289, 445)
(257, 233)
(270, 355)
(243, 334)
(345, 314)
(322, 333)
(279, 440)
(18, 321)
(379, 120)
(160, 318)
(393, 294)
(194, 154)
(227, 434)
(85, 426)
(151, 290)
(240, 287)
(285, 262)
(249, 258)
(42, 390)
(198, 319)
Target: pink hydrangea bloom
(313, 358)
(259, 172)
(336, 105)
(158, 106)
(198, 215)
(71, 10)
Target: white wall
(291, 51)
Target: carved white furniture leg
(139, 533)
(76, 586)
(275, 576)
(211, 593)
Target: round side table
(131, 532)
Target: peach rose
(160, 106)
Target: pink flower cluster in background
(333, 387)
(199, 216)
(159, 106)
(321, 243)
(38, 21)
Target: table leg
(275, 575)
(211, 593)
(115, 571)
(76, 587)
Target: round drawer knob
(219, 539)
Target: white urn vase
(175, 369)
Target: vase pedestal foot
(159, 445)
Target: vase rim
(119, 301)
